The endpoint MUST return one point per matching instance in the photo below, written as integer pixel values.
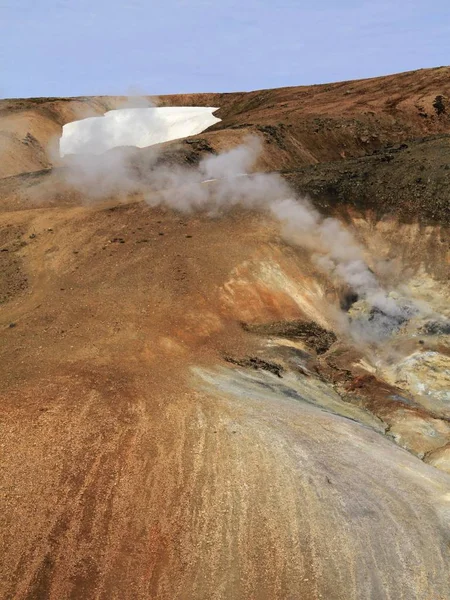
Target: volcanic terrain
(186, 410)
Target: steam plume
(223, 181)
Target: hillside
(189, 410)
(301, 125)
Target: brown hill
(184, 415)
(301, 125)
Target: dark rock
(436, 328)
(439, 105)
(311, 333)
(253, 362)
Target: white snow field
(138, 127)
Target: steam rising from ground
(223, 181)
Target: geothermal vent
(138, 127)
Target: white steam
(334, 248)
(223, 181)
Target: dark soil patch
(253, 362)
(436, 328)
(314, 336)
(410, 181)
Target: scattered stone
(439, 105)
(12, 325)
(200, 145)
(384, 323)
(311, 333)
(436, 328)
(253, 362)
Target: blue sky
(84, 47)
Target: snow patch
(139, 127)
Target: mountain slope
(184, 413)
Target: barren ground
(180, 416)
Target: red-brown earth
(181, 414)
